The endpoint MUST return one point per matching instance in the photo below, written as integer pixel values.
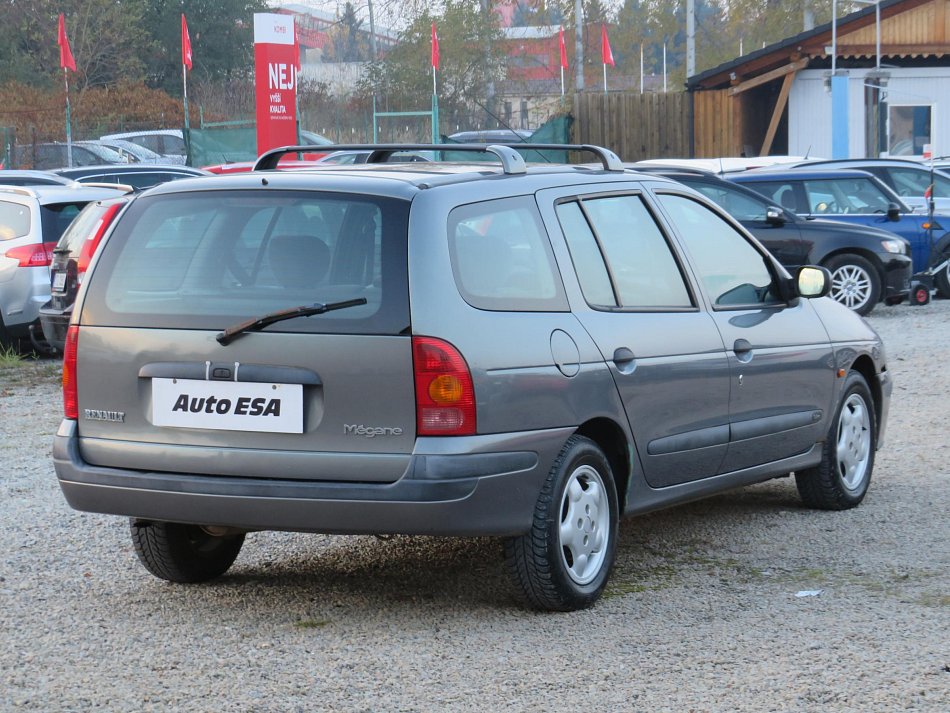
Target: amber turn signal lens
(445, 389)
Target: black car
(71, 257)
(139, 176)
(868, 265)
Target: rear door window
(206, 260)
(56, 218)
(620, 254)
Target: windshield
(736, 203)
(210, 259)
(912, 182)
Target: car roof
(149, 132)
(798, 174)
(61, 194)
(49, 176)
(404, 180)
(130, 168)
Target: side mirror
(813, 281)
(774, 216)
(893, 212)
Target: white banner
(227, 405)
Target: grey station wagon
(450, 349)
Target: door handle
(625, 360)
(742, 348)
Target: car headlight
(897, 247)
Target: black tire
(855, 282)
(183, 553)
(942, 282)
(547, 570)
(851, 443)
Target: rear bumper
(482, 485)
(55, 323)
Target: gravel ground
(701, 613)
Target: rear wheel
(841, 479)
(855, 282)
(563, 562)
(183, 553)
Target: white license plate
(59, 281)
(227, 405)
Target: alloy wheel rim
(584, 528)
(854, 442)
(851, 286)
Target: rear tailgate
(326, 397)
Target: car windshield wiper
(251, 325)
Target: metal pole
(184, 81)
(664, 68)
(690, 38)
(877, 20)
(641, 68)
(69, 127)
(834, 36)
(579, 45)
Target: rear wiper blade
(231, 333)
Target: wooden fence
(634, 126)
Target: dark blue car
(852, 196)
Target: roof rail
(124, 187)
(19, 190)
(512, 161)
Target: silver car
(450, 349)
(32, 219)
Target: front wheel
(563, 562)
(855, 282)
(840, 481)
(183, 553)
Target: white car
(169, 144)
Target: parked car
(525, 352)
(138, 176)
(488, 136)
(350, 157)
(908, 179)
(132, 153)
(26, 177)
(32, 219)
(868, 265)
(71, 257)
(167, 143)
(55, 155)
(854, 197)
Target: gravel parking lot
(701, 613)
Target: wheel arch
(864, 365)
(612, 440)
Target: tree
(222, 39)
(404, 77)
(348, 41)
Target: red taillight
(38, 255)
(91, 243)
(445, 398)
(70, 390)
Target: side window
(502, 258)
(737, 204)
(732, 270)
(14, 220)
(621, 231)
(913, 183)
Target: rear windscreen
(206, 260)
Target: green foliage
(468, 66)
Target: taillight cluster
(92, 242)
(36, 255)
(70, 390)
(445, 398)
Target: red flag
(185, 43)
(435, 48)
(605, 54)
(929, 191)
(560, 42)
(66, 60)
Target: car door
(660, 344)
(781, 360)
